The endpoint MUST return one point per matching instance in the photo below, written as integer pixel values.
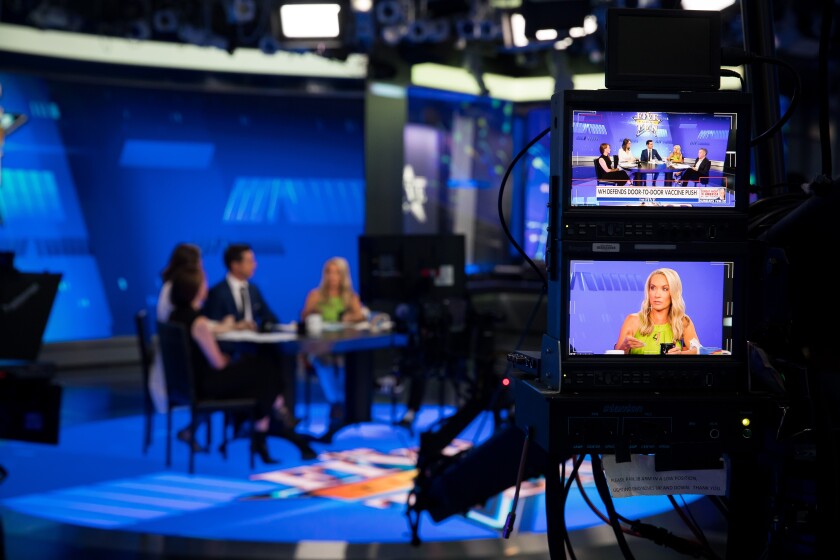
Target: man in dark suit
(236, 296)
(700, 170)
(649, 154)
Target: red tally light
(505, 381)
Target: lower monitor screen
(603, 292)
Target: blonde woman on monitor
(661, 325)
(676, 156)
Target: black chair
(182, 390)
(600, 174)
(144, 346)
(702, 180)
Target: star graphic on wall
(414, 194)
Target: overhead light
(202, 37)
(517, 25)
(241, 11)
(392, 34)
(48, 16)
(417, 32)
(590, 24)
(365, 30)
(389, 12)
(439, 30)
(553, 14)
(488, 30)
(313, 26)
(310, 21)
(268, 44)
(546, 34)
(165, 21)
(193, 34)
(138, 30)
(467, 29)
(563, 44)
(477, 30)
(427, 31)
(362, 5)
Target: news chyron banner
(661, 195)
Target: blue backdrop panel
(115, 176)
(41, 217)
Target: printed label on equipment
(639, 477)
(606, 247)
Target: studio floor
(96, 494)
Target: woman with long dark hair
(253, 375)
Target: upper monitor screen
(652, 157)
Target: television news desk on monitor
(683, 430)
(716, 209)
(357, 347)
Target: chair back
(144, 345)
(174, 344)
(599, 172)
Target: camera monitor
(600, 290)
(696, 172)
(670, 50)
(602, 293)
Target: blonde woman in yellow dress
(335, 301)
(676, 156)
(334, 298)
(661, 325)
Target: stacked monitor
(605, 238)
(655, 199)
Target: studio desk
(356, 343)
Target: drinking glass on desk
(314, 324)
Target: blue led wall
(457, 148)
(537, 163)
(104, 180)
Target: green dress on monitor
(659, 334)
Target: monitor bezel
(558, 325)
(565, 103)
(620, 77)
(652, 253)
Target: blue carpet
(355, 491)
